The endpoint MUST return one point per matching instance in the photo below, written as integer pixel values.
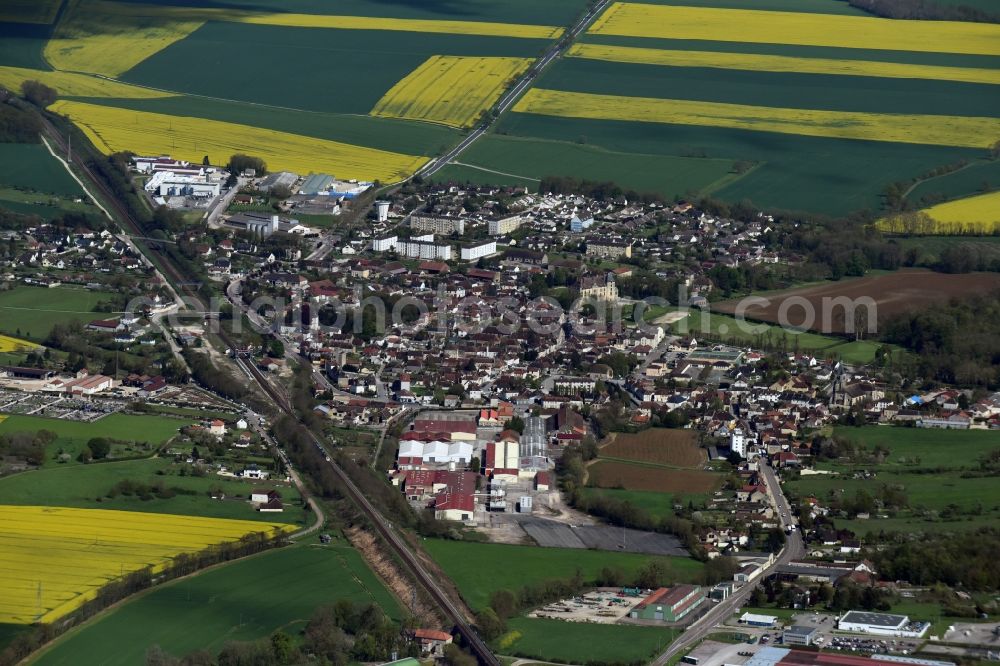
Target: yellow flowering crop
(480, 28)
(9, 344)
(29, 11)
(634, 19)
(111, 38)
(776, 63)
(52, 560)
(972, 215)
(969, 132)
(451, 90)
(69, 84)
(113, 129)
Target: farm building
(883, 624)
(669, 604)
(431, 641)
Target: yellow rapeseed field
(973, 215)
(452, 90)
(110, 38)
(64, 555)
(29, 11)
(9, 344)
(775, 63)
(634, 19)
(69, 84)
(480, 28)
(969, 132)
(112, 129)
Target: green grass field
(944, 448)
(241, 601)
(659, 505)
(35, 310)
(72, 436)
(579, 643)
(512, 567)
(950, 453)
(728, 329)
(87, 486)
(30, 166)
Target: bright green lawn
(579, 643)
(87, 486)
(241, 601)
(72, 436)
(934, 448)
(479, 569)
(35, 310)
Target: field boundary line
(499, 173)
(645, 463)
(34, 656)
(76, 178)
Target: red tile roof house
(431, 641)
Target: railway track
(282, 403)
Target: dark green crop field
(968, 181)
(30, 166)
(241, 601)
(833, 176)
(534, 159)
(343, 71)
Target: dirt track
(894, 293)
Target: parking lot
(974, 633)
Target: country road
(794, 549)
(514, 93)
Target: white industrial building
(172, 184)
(478, 250)
(434, 452)
(881, 624)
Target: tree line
(927, 10)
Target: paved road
(514, 93)
(794, 549)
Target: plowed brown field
(665, 446)
(612, 474)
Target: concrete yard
(974, 633)
(603, 606)
(551, 534)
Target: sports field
(241, 601)
(35, 310)
(54, 559)
(464, 562)
(663, 446)
(91, 486)
(72, 436)
(579, 643)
